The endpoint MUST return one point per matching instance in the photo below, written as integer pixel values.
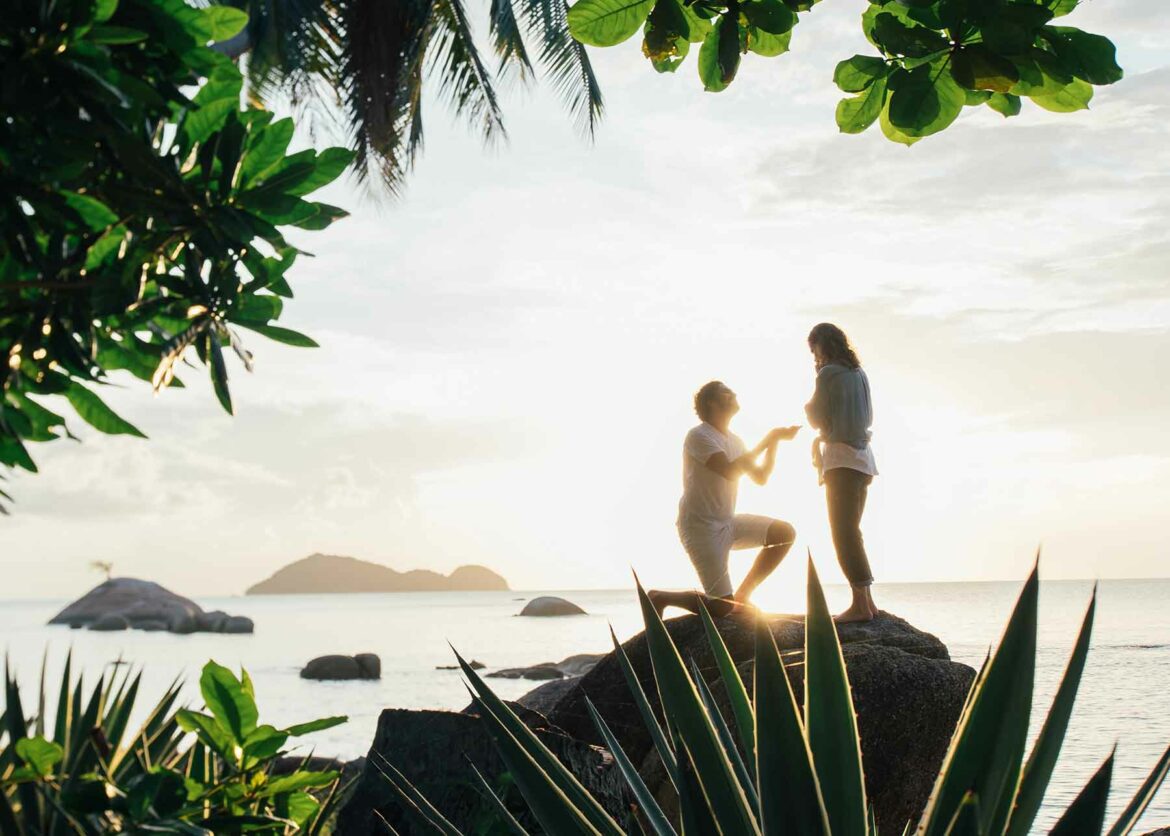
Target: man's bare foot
(658, 600)
(855, 613)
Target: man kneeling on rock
(714, 459)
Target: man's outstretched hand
(782, 434)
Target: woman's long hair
(834, 345)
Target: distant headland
(326, 573)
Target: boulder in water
(550, 605)
(141, 605)
(335, 666)
(574, 666)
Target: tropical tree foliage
(140, 208)
(368, 60)
(78, 770)
(934, 57)
(772, 767)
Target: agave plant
(788, 770)
(79, 771)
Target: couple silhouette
(715, 459)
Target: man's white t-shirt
(708, 498)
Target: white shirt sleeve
(702, 444)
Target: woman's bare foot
(856, 612)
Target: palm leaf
(1042, 761)
(463, 78)
(790, 795)
(829, 716)
(508, 40)
(1086, 815)
(565, 61)
(1142, 798)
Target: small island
(326, 573)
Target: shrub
(184, 772)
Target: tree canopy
(934, 57)
(140, 208)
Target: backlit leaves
(934, 57)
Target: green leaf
(94, 412)
(214, 736)
(978, 68)
(115, 35)
(710, 71)
(1090, 57)
(1060, 8)
(665, 751)
(770, 16)
(265, 150)
(924, 100)
(209, 118)
(95, 214)
(1012, 29)
(727, 740)
(1142, 798)
(1005, 104)
(856, 114)
(41, 755)
(265, 742)
(1041, 763)
(767, 45)
(316, 725)
(607, 22)
(234, 710)
(1086, 815)
(103, 10)
(649, 805)
(684, 710)
(504, 721)
(790, 794)
(737, 695)
(987, 750)
(896, 36)
(416, 804)
(829, 717)
(1074, 96)
(857, 73)
(729, 46)
(328, 166)
(224, 22)
(299, 780)
(218, 371)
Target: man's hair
(706, 394)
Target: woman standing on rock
(843, 412)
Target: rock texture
(326, 573)
(906, 690)
(130, 603)
(574, 666)
(435, 750)
(361, 666)
(550, 605)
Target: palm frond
(565, 61)
(508, 41)
(463, 79)
(380, 80)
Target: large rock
(574, 666)
(362, 666)
(544, 698)
(144, 605)
(906, 690)
(435, 750)
(550, 605)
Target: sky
(509, 350)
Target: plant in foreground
(77, 771)
(799, 771)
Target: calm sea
(1124, 698)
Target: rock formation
(574, 666)
(324, 573)
(550, 605)
(130, 603)
(435, 750)
(361, 666)
(906, 690)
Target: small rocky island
(326, 573)
(133, 604)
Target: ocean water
(1124, 697)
